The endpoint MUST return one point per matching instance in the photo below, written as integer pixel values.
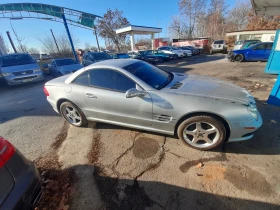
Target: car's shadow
(265, 142)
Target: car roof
(56, 59)
(14, 54)
(111, 63)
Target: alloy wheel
(72, 115)
(201, 134)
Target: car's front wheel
(73, 114)
(239, 58)
(202, 132)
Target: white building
(263, 35)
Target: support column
(70, 39)
(132, 41)
(153, 41)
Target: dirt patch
(59, 139)
(145, 147)
(93, 154)
(187, 165)
(244, 178)
(57, 183)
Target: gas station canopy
(266, 7)
(133, 29)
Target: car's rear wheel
(73, 114)
(239, 58)
(176, 57)
(202, 132)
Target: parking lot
(122, 168)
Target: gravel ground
(121, 168)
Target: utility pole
(55, 41)
(11, 41)
(94, 27)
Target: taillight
(6, 151)
(46, 91)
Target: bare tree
(216, 19)
(33, 50)
(107, 26)
(191, 9)
(238, 16)
(87, 46)
(3, 46)
(177, 28)
(62, 42)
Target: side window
(90, 57)
(110, 79)
(85, 57)
(102, 78)
(269, 46)
(82, 79)
(122, 82)
(260, 47)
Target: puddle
(145, 147)
(248, 180)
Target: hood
(16, 68)
(73, 67)
(208, 87)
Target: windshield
(65, 62)
(123, 56)
(150, 74)
(14, 60)
(159, 52)
(219, 42)
(247, 45)
(101, 56)
(238, 43)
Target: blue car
(257, 52)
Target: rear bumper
(14, 80)
(53, 104)
(27, 191)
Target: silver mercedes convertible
(203, 112)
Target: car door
(52, 67)
(107, 99)
(257, 53)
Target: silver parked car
(204, 112)
(63, 66)
(19, 68)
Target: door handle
(89, 95)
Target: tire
(239, 58)
(196, 136)
(75, 113)
(176, 57)
(160, 60)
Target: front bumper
(241, 131)
(18, 80)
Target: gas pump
(273, 67)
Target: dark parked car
(63, 66)
(257, 52)
(161, 55)
(140, 55)
(194, 50)
(93, 57)
(20, 183)
(120, 56)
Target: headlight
(6, 74)
(37, 70)
(252, 109)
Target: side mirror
(133, 92)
